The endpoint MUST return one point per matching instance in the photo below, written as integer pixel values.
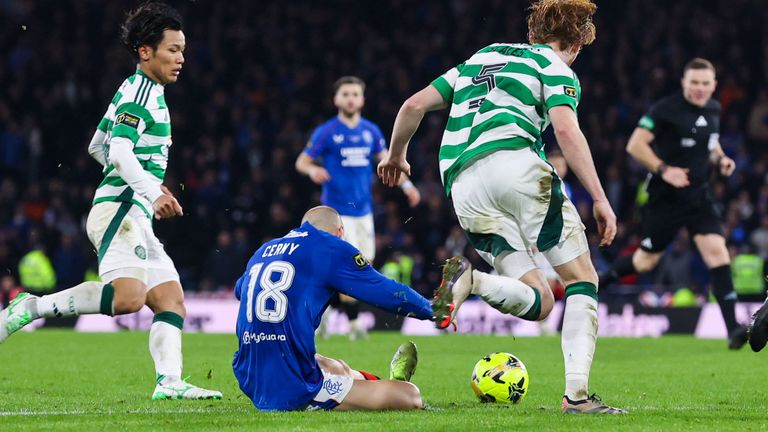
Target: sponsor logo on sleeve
(569, 91)
(360, 260)
(127, 119)
(647, 123)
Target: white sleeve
(96, 147)
(128, 167)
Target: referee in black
(678, 141)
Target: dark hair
(145, 25)
(698, 63)
(349, 79)
(567, 21)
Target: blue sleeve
(315, 145)
(354, 276)
(379, 143)
(238, 286)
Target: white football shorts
(512, 205)
(126, 245)
(335, 389)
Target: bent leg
(121, 296)
(644, 261)
(337, 367)
(519, 289)
(381, 395)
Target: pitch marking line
(138, 411)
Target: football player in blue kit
(283, 293)
(348, 146)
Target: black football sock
(722, 288)
(621, 267)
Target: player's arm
(576, 152)
(96, 147)
(406, 123)
(238, 287)
(409, 189)
(717, 156)
(639, 147)
(352, 275)
(131, 120)
(306, 165)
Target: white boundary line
(136, 411)
(210, 410)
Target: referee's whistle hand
(676, 176)
(727, 166)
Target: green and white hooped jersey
(499, 100)
(138, 112)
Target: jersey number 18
(270, 290)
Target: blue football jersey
(348, 156)
(283, 294)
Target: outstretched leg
(121, 296)
(370, 395)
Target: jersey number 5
(485, 77)
(271, 289)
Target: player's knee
(129, 302)
(645, 263)
(177, 306)
(413, 397)
(344, 368)
(173, 304)
(547, 303)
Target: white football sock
(165, 347)
(578, 342)
(82, 299)
(505, 294)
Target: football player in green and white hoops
(507, 197)
(132, 143)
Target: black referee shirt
(684, 136)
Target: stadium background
(257, 80)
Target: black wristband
(660, 170)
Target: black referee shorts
(662, 219)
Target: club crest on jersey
(569, 91)
(367, 137)
(140, 252)
(128, 119)
(360, 260)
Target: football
(500, 378)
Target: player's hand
(727, 165)
(413, 195)
(319, 175)
(166, 206)
(390, 168)
(676, 176)
(606, 221)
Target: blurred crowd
(257, 80)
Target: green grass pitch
(62, 380)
